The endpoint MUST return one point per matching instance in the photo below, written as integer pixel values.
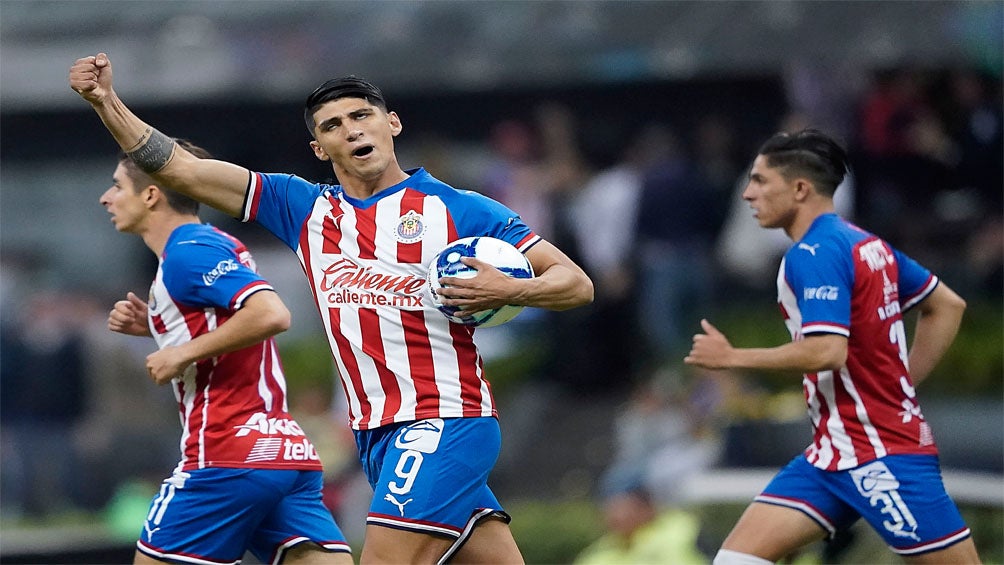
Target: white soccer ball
(500, 254)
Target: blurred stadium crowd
(639, 182)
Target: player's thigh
(490, 543)
(962, 553)
(309, 553)
(392, 546)
(772, 532)
(140, 558)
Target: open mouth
(363, 151)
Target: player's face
(123, 203)
(357, 137)
(771, 196)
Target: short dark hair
(176, 200)
(809, 153)
(345, 87)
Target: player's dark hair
(809, 153)
(345, 87)
(176, 200)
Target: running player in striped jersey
(422, 410)
(243, 456)
(843, 292)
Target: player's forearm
(262, 316)
(558, 288)
(150, 149)
(819, 353)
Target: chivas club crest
(410, 227)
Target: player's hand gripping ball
(500, 254)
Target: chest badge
(410, 227)
(151, 303)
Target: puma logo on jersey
(810, 248)
(400, 505)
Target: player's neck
(806, 216)
(159, 230)
(363, 188)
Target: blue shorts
(431, 476)
(901, 496)
(214, 515)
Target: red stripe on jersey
(198, 419)
(469, 364)
(420, 359)
(351, 367)
(254, 194)
(239, 295)
(180, 385)
(824, 418)
(158, 324)
(195, 319)
(369, 326)
(412, 200)
(523, 241)
(331, 229)
(366, 226)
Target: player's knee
(729, 557)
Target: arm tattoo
(154, 153)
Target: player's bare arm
(215, 183)
(129, 317)
(937, 324)
(558, 284)
(262, 316)
(817, 352)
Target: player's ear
(802, 189)
(319, 151)
(395, 123)
(151, 195)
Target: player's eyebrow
(334, 120)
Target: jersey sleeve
(280, 203)
(476, 214)
(207, 274)
(915, 281)
(821, 277)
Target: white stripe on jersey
(841, 441)
(205, 419)
(263, 372)
(922, 294)
(863, 418)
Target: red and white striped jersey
(398, 357)
(233, 407)
(840, 279)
